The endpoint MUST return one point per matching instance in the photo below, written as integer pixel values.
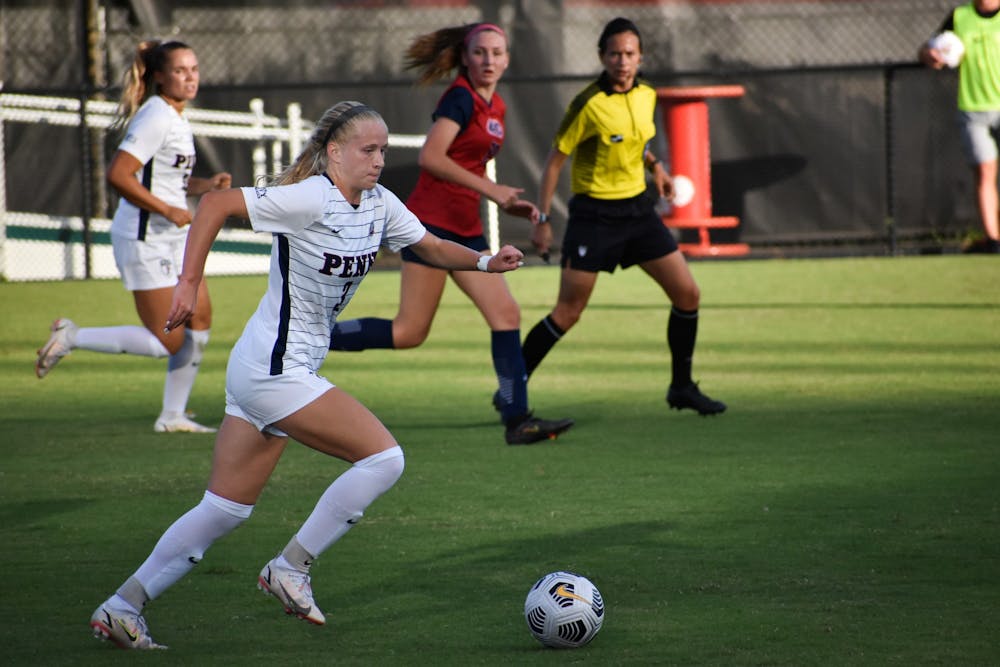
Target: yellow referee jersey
(606, 133)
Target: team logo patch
(616, 138)
(165, 266)
(582, 250)
(260, 192)
(495, 128)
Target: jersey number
(343, 296)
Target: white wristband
(483, 261)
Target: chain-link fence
(263, 42)
(832, 88)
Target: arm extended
(211, 215)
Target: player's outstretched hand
(507, 259)
(523, 208)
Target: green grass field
(844, 511)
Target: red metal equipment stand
(685, 117)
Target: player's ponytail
(334, 125)
(138, 85)
(437, 53)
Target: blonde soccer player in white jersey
(151, 170)
(328, 217)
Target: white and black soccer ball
(564, 610)
(950, 46)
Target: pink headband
(480, 28)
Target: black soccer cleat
(528, 429)
(691, 397)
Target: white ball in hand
(950, 46)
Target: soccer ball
(564, 610)
(683, 191)
(950, 46)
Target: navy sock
(509, 365)
(539, 341)
(367, 333)
(682, 330)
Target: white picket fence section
(35, 246)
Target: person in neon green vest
(977, 24)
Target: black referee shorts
(603, 234)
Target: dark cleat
(530, 429)
(691, 397)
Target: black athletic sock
(682, 330)
(539, 341)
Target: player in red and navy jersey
(467, 132)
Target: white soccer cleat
(293, 590)
(125, 628)
(175, 423)
(60, 344)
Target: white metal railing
(273, 138)
(254, 125)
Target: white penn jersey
(160, 138)
(322, 248)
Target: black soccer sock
(367, 333)
(509, 365)
(539, 341)
(682, 330)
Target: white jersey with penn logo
(160, 139)
(322, 248)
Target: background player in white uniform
(328, 216)
(151, 170)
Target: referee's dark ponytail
(615, 27)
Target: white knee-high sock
(344, 502)
(184, 543)
(120, 340)
(182, 371)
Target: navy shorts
(602, 235)
(477, 243)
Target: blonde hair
(437, 53)
(151, 56)
(334, 125)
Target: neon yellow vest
(979, 73)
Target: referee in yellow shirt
(612, 220)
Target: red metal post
(685, 117)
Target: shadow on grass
(33, 511)
(798, 305)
